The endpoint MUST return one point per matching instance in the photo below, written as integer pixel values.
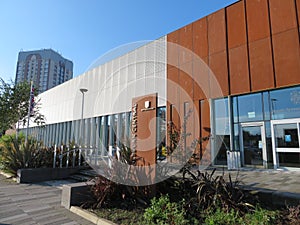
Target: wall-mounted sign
(147, 104)
(288, 138)
(134, 126)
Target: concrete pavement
(34, 204)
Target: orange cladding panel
(236, 25)
(257, 19)
(219, 75)
(261, 65)
(283, 15)
(186, 82)
(286, 57)
(172, 84)
(201, 79)
(200, 40)
(216, 32)
(239, 70)
(206, 132)
(145, 129)
(172, 48)
(186, 44)
(298, 10)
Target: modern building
(46, 68)
(232, 76)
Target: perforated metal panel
(111, 86)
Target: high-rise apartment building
(46, 68)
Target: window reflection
(250, 108)
(285, 103)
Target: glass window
(286, 135)
(161, 133)
(285, 103)
(289, 159)
(235, 109)
(269, 144)
(115, 129)
(267, 112)
(236, 137)
(222, 131)
(250, 108)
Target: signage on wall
(134, 126)
(147, 106)
(288, 138)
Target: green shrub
(221, 217)
(162, 211)
(258, 217)
(17, 154)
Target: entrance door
(253, 147)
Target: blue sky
(82, 31)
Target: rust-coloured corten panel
(197, 130)
(205, 131)
(283, 15)
(216, 32)
(172, 46)
(186, 82)
(201, 79)
(172, 84)
(257, 19)
(286, 57)
(172, 117)
(145, 129)
(186, 44)
(236, 25)
(219, 76)
(298, 10)
(261, 65)
(200, 41)
(172, 73)
(239, 70)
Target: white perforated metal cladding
(111, 86)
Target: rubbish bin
(233, 160)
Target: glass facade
(268, 109)
(264, 127)
(285, 103)
(101, 133)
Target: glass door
(286, 143)
(253, 147)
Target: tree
(14, 103)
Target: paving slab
(280, 186)
(34, 204)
